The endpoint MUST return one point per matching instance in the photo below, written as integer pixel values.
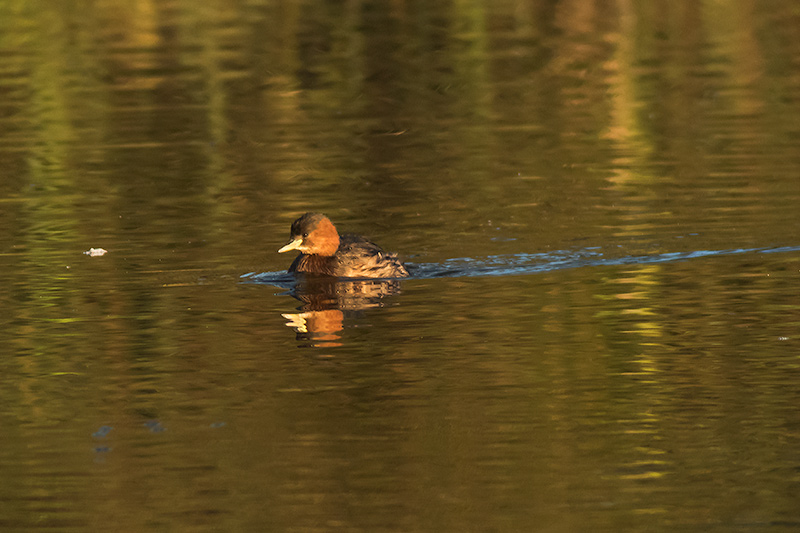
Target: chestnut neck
(324, 239)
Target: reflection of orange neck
(324, 322)
(320, 327)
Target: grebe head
(313, 234)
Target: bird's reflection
(326, 300)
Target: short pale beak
(294, 245)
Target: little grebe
(323, 251)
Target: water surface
(598, 202)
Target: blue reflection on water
(517, 264)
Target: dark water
(598, 202)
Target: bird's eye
(305, 235)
